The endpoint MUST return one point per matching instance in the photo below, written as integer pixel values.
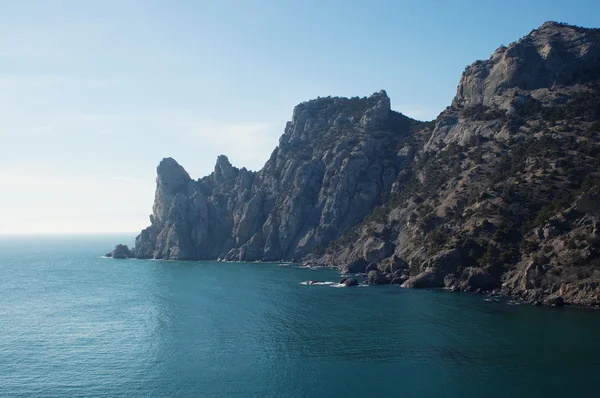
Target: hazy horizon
(94, 95)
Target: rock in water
(376, 278)
(349, 282)
(426, 279)
(121, 251)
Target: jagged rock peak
(366, 113)
(224, 171)
(171, 179)
(379, 114)
(171, 174)
(553, 55)
(332, 102)
(554, 25)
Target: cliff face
(335, 162)
(501, 189)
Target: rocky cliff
(501, 190)
(336, 161)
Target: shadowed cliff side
(504, 191)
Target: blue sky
(94, 93)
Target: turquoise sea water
(75, 324)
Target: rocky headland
(501, 192)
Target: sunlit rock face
(336, 160)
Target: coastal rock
(444, 262)
(554, 301)
(451, 282)
(356, 266)
(478, 278)
(121, 252)
(376, 278)
(424, 280)
(349, 282)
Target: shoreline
(522, 297)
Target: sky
(93, 94)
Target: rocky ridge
(337, 160)
(501, 191)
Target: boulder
(451, 282)
(445, 262)
(376, 278)
(356, 266)
(478, 278)
(426, 279)
(349, 282)
(394, 264)
(554, 301)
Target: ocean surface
(75, 324)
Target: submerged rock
(394, 264)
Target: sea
(76, 324)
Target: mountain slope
(505, 188)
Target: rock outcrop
(121, 252)
(502, 189)
(348, 282)
(335, 162)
